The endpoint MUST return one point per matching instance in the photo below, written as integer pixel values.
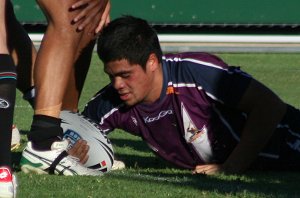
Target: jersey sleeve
(101, 106)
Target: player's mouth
(124, 96)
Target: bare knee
(60, 18)
(61, 27)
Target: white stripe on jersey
(109, 114)
(194, 61)
(182, 84)
(268, 155)
(203, 63)
(198, 87)
(214, 98)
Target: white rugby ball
(77, 126)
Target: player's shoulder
(200, 58)
(103, 102)
(108, 93)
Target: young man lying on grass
(192, 109)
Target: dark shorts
(286, 143)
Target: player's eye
(125, 75)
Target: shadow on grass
(268, 184)
(133, 161)
(138, 144)
(16, 157)
(136, 161)
(154, 170)
(262, 183)
(23, 132)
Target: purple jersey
(190, 124)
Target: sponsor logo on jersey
(134, 120)
(160, 115)
(196, 133)
(3, 104)
(197, 137)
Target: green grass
(148, 176)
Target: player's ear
(152, 62)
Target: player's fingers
(78, 148)
(105, 18)
(82, 152)
(80, 16)
(209, 169)
(92, 18)
(79, 4)
(95, 12)
(86, 21)
(75, 146)
(84, 155)
(87, 11)
(87, 14)
(100, 26)
(83, 161)
(199, 170)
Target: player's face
(133, 83)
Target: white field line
(178, 38)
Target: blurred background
(200, 25)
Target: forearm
(260, 125)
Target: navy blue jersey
(193, 122)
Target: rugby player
(191, 108)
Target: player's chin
(131, 101)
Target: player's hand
(91, 10)
(80, 150)
(208, 169)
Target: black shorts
(284, 144)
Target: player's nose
(118, 83)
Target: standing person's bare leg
(53, 67)
(61, 46)
(77, 79)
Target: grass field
(150, 177)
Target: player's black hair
(128, 38)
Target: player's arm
(91, 9)
(265, 110)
